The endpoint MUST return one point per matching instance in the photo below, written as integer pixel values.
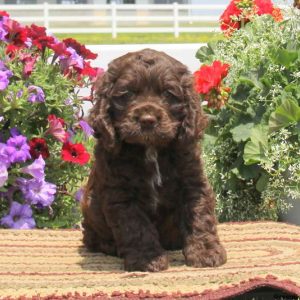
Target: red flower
(75, 153)
(39, 37)
(3, 13)
(42, 42)
(17, 34)
(233, 15)
(264, 7)
(88, 70)
(226, 18)
(80, 49)
(59, 49)
(209, 77)
(11, 50)
(35, 32)
(38, 146)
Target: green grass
(141, 38)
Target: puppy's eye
(177, 107)
(126, 94)
(121, 99)
(170, 97)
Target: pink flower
(29, 62)
(56, 128)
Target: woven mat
(52, 264)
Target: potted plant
(45, 143)
(252, 146)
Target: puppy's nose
(148, 121)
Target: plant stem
(234, 109)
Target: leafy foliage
(257, 131)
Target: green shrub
(252, 145)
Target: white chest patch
(155, 180)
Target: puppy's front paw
(203, 257)
(146, 264)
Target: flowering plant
(44, 140)
(208, 83)
(252, 145)
(240, 12)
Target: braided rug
(52, 264)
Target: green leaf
(286, 114)
(285, 57)
(241, 132)
(296, 130)
(209, 140)
(249, 172)
(254, 151)
(205, 52)
(262, 182)
(243, 88)
(246, 172)
(293, 90)
(254, 76)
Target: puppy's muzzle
(147, 116)
(147, 121)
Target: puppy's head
(146, 98)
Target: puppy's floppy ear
(99, 117)
(195, 121)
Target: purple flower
(2, 66)
(3, 32)
(36, 169)
(5, 74)
(37, 192)
(87, 129)
(19, 94)
(4, 82)
(4, 155)
(36, 94)
(14, 132)
(19, 217)
(79, 195)
(68, 101)
(74, 60)
(18, 149)
(3, 174)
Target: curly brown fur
(147, 191)
(297, 4)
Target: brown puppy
(147, 191)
